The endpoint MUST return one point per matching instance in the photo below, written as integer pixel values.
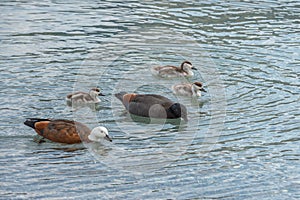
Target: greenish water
(242, 138)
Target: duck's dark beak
(108, 138)
(100, 94)
(194, 68)
(203, 90)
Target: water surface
(242, 139)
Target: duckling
(189, 89)
(84, 98)
(169, 71)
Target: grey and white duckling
(77, 98)
(170, 71)
(188, 89)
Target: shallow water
(242, 138)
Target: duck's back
(166, 71)
(149, 105)
(63, 131)
(182, 89)
(151, 99)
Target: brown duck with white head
(67, 131)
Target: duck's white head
(98, 134)
(197, 87)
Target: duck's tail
(120, 95)
(31, 121)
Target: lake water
(242, 138)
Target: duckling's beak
(100, 94)
(194, 68)
(203, 90)
(107, 138)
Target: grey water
(242, 137)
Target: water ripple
(52, 48)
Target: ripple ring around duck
(144, 145)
